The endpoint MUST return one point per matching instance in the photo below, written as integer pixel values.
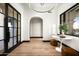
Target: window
(71, 18)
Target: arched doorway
(36, 27)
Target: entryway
(36, 27)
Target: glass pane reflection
(1, 46)
(10, 22)
(76, 26)
(11, 32)
(10, 43)
(1, 33)
(10, 11)
(1, 19)
(15, 32)
(15, 23)
(15, 40)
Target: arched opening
(36, 27)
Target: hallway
(36, 47)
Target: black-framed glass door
(2, 27)
(14, 26)
(10, 27)
(1, 33)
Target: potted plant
(63, 29)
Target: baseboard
(36, 37)
(26, 41)
(46, 40)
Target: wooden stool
(53, 42)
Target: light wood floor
(36, 47)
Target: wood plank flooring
(36, 47)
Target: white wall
(36, 27)
(49, 19)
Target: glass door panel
(10, 26)
(15, 40)
(10, 11)
(2, 8)
(10, 43)
(10, 22)
(15, 14)
(15, 23)
(1, 40)
(15, 31)
(11, 32)
(1, 46)
(1, 33)
(1, 19)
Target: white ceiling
(37, 6)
